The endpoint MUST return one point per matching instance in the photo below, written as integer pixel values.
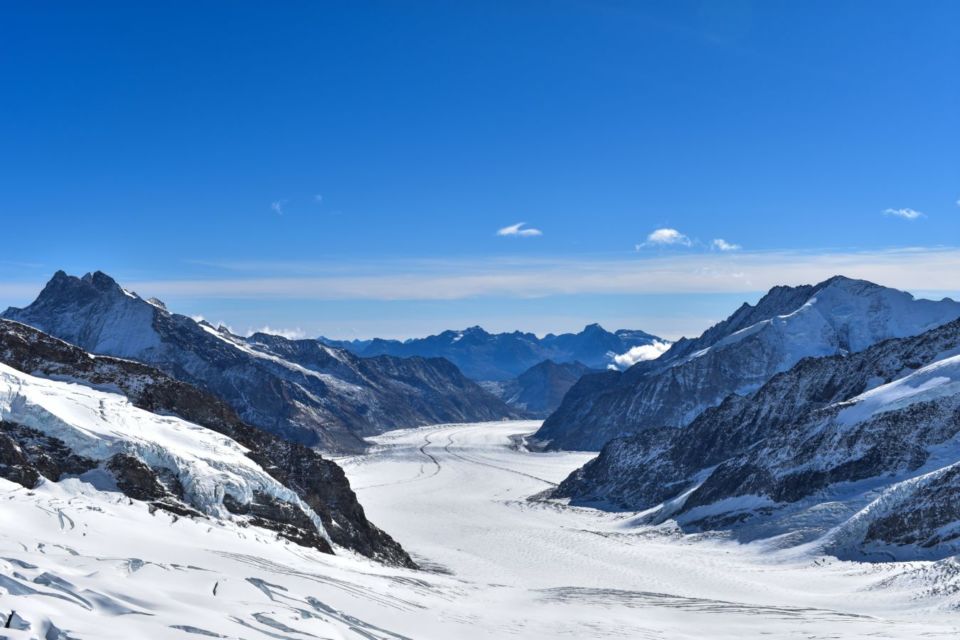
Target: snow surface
(936, 380)
(97, 565)
(96, 424)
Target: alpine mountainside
(301, 390)
(504, 356)
(128, 427)
(539, 390)
(737, 356)
(860, 450)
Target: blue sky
(344, 168)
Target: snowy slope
(99, 425)
(738, 355)
(27, 456)
(80, 563)
(875, 471)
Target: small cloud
(289, 334)
(662, 237)
(644, 352)
(905, 213)
(318, 198)
(518, 230)
(723, 245)
(278, 205)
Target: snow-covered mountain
(299, 389)
(539, 390)
(860, 451)
(124, 427)
(504, 356)
(737, 355)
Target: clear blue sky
(344, 167)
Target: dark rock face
(927, 520)
(505, 356)
(539, 390)
(301, 390)
(27, 455)
(135, 478)
(139, 481)
(808, 452)
(288, 520)
(737, 356)
(319, 482)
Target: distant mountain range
(301, 390)
(736, 356)
(539, 390)
(503, 356)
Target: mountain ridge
(842, 446)
(504, 356)
(324, 397)
(737, 355)
(318, 482)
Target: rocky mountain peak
(321, 397)
(737, 356)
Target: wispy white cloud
(664, 237)
(723, 245)
(318, 198)
(278, 205)
(639, 354)
(905, 213)
(519, 230)
(926, 269)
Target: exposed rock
(27, 454)
(135, 478)
(288, 520)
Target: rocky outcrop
(319, 483)
(286, 519)
(737, 356)
(26, 455)
(505, 356)
(300, 390)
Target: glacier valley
(77, 561)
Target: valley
(95, 565)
